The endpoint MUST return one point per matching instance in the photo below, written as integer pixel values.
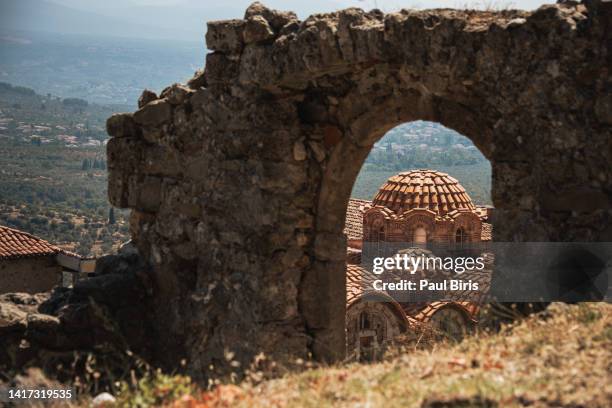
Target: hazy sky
(389, 4)
(186, 19)
(302, 7)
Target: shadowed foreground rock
(104, 316)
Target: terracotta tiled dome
(426, 189)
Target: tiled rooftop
(359, 282)
(359, 286)
(353, 227)
(427, 189)
(425, 315)
(16, 244)
(357, 279)
(486, 234)
(354, 285)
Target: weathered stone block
(121, 125)
(161, 161)
(330, 247)
(299, 151)
(276, 19)
(154, 113)
(147, 195)
(123, 155)
(11, 318)
(318, 151)
(146, 97)
(220, 68)
(176, 93)
(198, 80)
(117, 189)
(37, 321)
(257, 30)
(225, 36)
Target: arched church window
(420, 236)
(460, 236)
(364, 321)
(380, 233)
(377, 232)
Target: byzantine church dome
(423, 189)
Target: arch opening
(295, 127)
(409, 190)
(460, 236)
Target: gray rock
(276, 19)
(198, 80)
(176, 94)
(225, 36)
(103, 399)
(146, 97)
(12, 318)
(299, 151)
(121, 125)
(317, 150)
(257, 30)
(128, 249)
(154, 113)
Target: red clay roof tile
(353, 226)
(16, 244)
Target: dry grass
(562, 357)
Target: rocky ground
(97, 326)
(561, 357)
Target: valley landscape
(53, 181)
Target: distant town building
(32, 265)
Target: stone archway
(239, 181)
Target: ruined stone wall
(239, 180)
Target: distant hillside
(423, 144)
(53, 175)
(28, 116)
(101, 69)
(47, 16)
(428, 145)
